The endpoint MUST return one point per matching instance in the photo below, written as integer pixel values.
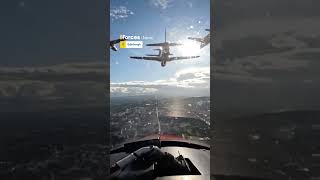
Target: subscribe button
(131, 44)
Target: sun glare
(189, 48)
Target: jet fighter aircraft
(164, 53)
(204, 41)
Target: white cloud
(162, 4)
(120, 12)
(183, 82)
(129, 91)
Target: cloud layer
(186, 82)
(266, 55)
(162, 4)
(62, 85)
(120, 12)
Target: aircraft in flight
(204, 41)
(164, 53)
(112, 44)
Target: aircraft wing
(196, 39)
(113, 47)
(155, 58)
(112, 44)
(182, 57)
(156, 44)
(175, 44)
(116, 41)
(203, 44)
(164, 44)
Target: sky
(150, 18)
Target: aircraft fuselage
(165, 53)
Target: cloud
(266, 55)
(235, 71)
(162, 4)
(189, 81)
(268, 50)
(121, 91)
(120, 12)
(63, 85)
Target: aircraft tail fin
(165, 35)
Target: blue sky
(150, 18)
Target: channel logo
(130, 41)
(131, 44)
